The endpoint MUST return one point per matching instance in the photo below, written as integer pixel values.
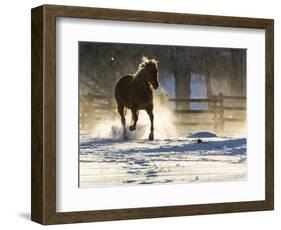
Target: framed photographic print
(139, 114)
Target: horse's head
(150, 70)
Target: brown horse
(135, 92)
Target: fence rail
(234, 108)
(193, 100)
(183, 111)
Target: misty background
(184, 73)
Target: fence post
(214, 108)
(221, 112)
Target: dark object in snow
(199, 141)
(202, 135)
(195, 179)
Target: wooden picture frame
(43, 186)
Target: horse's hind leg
(149, 111)
(123, 120)
(135, 118)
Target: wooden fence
(94, 108)
(219, 111)
(216, 108)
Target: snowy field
(114, 162)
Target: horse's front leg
(149, 111)
(123, 121)
(135, 118)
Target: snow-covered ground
(114, 162)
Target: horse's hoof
(125, 136)
(132, 128)
(151, 137)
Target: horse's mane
(145, 63)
